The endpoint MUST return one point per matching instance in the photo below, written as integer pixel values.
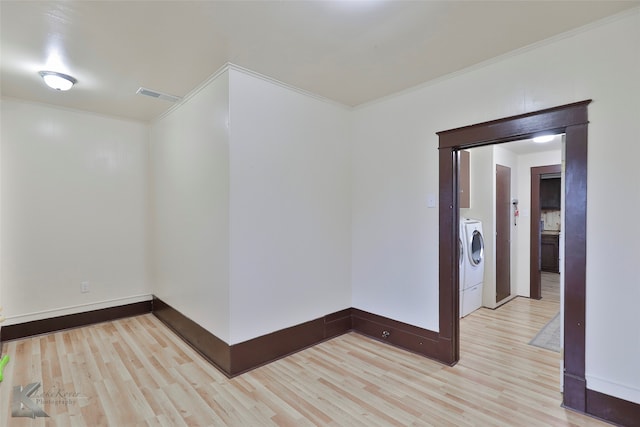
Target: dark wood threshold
(53, 324)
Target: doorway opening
(500, 193)
(542, 199)
(572, 119)
(503, 181)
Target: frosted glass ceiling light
(543, 138)
(57, 81)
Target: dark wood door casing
(572, 119)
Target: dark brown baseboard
(267, 348)
(238, 358)
(204, 342)
(399, 334)
(613, 409)
(53, 324)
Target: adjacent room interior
(504, 298)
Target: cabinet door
(549, 251)
(464, 183)
(550, 189)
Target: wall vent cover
(159, 95)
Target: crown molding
(505, 56)
(231, 66)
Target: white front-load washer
(462, 262)
(474, 266)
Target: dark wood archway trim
(517, 127)
(571, 119)
(535, 291)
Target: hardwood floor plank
(135, 371)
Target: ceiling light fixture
(57, 81)
(543, 138)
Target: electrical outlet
(84, 287)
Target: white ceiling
(528, 146)
(349, 51)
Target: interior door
(503, 232)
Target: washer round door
(477, 248)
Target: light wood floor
(136, 372)
(550, 287)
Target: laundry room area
(495, 221)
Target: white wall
(395, 166)
(290, 207)
(525, 163)
(2, 318)
(251, 195)
(482, 187)
(394, 233)
(613, 287)
(190, 196)
(74, 209)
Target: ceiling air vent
(159, 95)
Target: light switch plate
(431, 200)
